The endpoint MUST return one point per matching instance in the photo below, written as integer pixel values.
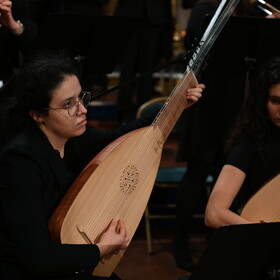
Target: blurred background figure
(39, 9)
(17, 33)
(149, 44)
(194, 28)
(192, 190)
(91, 81)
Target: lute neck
(176, 102)
(174, 105)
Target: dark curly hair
(253, 120)
(33, 88)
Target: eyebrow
(69, 98)
(274, 95)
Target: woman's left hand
(194, 94)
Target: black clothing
(192, 191)
(33, 179)
(12, 47)
(150, 42)
(188, 4)
(90, 80)
(85, 7)
(39, 9)
(258, 171)
(195, 26)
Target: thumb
(114, 224)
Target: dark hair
(253, 120)
(33, 87)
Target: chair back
(154, 105)
(151, 106)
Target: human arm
(218, 211)
(25, 31)
(7, 18)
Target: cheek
(270, 110)
(63, 122)
(70, 128)
(273, 112)
(62, 125)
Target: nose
(81, 108)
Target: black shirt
(258, 170)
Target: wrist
(18, 28)
(103, 252)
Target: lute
(118, 182)
(264, 206)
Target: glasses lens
(85, 97)
(73, 108)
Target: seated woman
(254, 151)
(45, 145)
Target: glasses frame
(76, 104)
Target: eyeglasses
(73, 106)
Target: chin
(277, 124)
(80, 131)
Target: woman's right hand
(113, 240)
(7, 19)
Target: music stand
(98, 40)
(240, 252)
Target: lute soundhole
(129, 179)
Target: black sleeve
(188, 4)
(26, 39)
(241, 156)
(25, 236)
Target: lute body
(264, 205)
